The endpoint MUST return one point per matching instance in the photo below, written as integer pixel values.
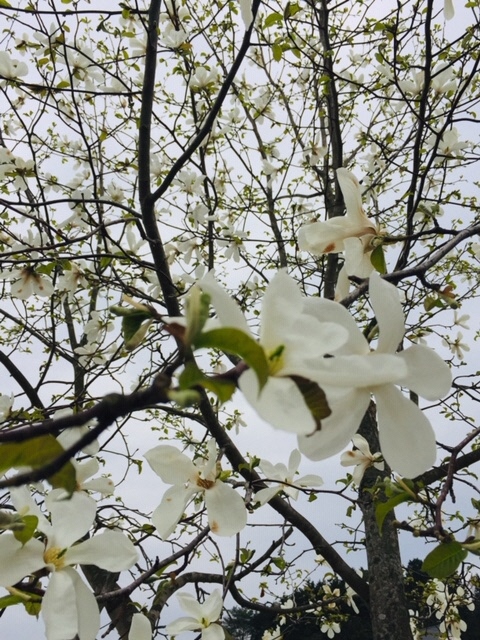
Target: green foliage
(444, 560)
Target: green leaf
(191, 376)
(238, 343)
(4, 3)
(277, 52)
(135, 325)
(8, 601)
(273, 18)
(378, 260)
(196, 312)
(444, 559)
(382, 509)
(315, 399)
(36, 453)
(24, 534)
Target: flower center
(276, 360)
(204, 484)
(54, 556)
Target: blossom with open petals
(28, 282)
(362, 458)
(352, 233)
(281, 475)
(69, 608)
(354, 372)
(293, 342)
(226, 510)
(201, 617)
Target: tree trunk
(388, 604)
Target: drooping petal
(140, 628)
(407, 440)
(166, 516)
(17, 561)
(213, 632)
(280, 403)
(227, 514)
(358, 256)
(448, 9)
(428, 375)
(228, 311)
(59, 606)
(173, 466)
(71, 517)
(348, 408)
(389, 313)
(87, 609)
(110, 550)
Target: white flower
(461, 321)
(201, 617)
(6, 404)
(30, 283)
(330, 628)
(457, 347)
(226, 510)
(11, 69)
(69, 607)
(352, 233)
(246, 12)
(361, 457)
(293, 342)
(281, 474)
(407, 440)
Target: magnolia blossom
(352, 233)
(448, 9)
(28, 282)
(69, 607)
(281, 474)
(6, 404)
(201, 617)
(362, 458)
(226, 510)
(294, 342)
(11, 69)
(355, 372)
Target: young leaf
(444, 559)
(378, 259)
(382, 509)
(238, 343)
(191, 376)
(24, 534)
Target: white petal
(17, 561)
(357, 259)
(182, 624)
(166, 516)
(360, 371)
(389, 313)
(191, 605)
(228, 311)
(85, 470)
(348, 408)
(448, 9)
(407, 440)
(329, 311)
(140, 628)
(352, 195)
(173, 466)
(264, 495)
(213, 632)
(294, 462)
(310, 480)
(213, 605)
(280, 403)
(324, 237)
(59, 606)
(87, 609)
(362, 445)
(281, 309)
(71, 518)
(110, 550)
(227, 514)
(308, 340)
(246, 12)
(351, 458)
(428, 375)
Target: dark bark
(388, 604)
